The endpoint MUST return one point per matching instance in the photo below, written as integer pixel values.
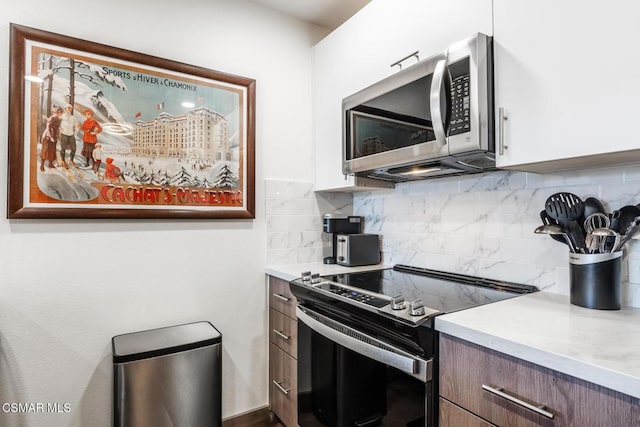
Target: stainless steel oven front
(349, 376)
(367, 346)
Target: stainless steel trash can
(168, 377)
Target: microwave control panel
(460, 103)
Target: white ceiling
(325, 13)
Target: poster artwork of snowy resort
(175, 140)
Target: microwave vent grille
(478, 162)
(430, 169)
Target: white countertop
(293, 271)
(599, 346)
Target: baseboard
(255, 418)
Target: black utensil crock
(596, 280)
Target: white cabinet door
(566, 75)
(360, 52)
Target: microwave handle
(434, 97)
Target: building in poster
(201, 135)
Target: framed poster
(101, 132)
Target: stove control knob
(416, 308)
(315, 278)
(306, 276)
(397, 302)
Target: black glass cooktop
(441, 291)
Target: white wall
(68, 286)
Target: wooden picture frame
(147, 137)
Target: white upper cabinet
(360, 52)
(566, 73)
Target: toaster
(357, 249)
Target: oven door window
(339, 387)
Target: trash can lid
(163, 341)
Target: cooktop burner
(411, 294)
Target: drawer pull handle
(283, 390)
(280, 334)
(500, 392)
(281, 298)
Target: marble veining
(475, 224)
(294, 221)
(292, 271)
(483, 224)
(440, 295)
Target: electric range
(381, 323)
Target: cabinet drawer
(281, 298)
(454, 416)
(486, 383)
(283, 390)
(283, 332)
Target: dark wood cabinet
(283, 332)
(283, 349)
(507, 391)
(280, 297)
(454, 416)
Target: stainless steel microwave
(432, 119)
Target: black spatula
(566, 209)
(546, 220)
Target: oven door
(347, 378)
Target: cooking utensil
(614, 220)
(593, 221)
(555, 230)
(627, 215)
(564, 205)
(607, 232)
(630, 232)
(546, 220)
(620, 221)
(566, 209)
(593, 205)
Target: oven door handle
(366, 345)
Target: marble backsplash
(294, 221)
(476, 224)
(483, 224)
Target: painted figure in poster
(91, 129)
(68, 129)
(112, 172)
(97, 159)
(50, 139)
